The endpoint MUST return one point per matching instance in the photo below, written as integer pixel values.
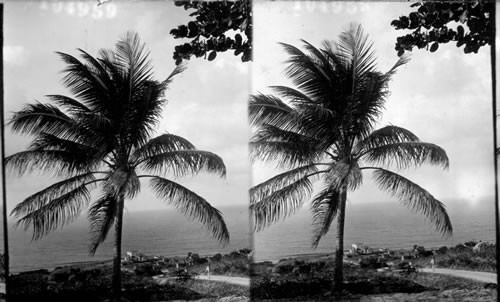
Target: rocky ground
(375, 277)
(482, 295)
(234, 298)
(91, 282)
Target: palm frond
(354, 44)
(185, 162)
(48, 142)
(405, 154)
(383, 136)
(368, 99)
(277, 182)
(268, 132)
(294, 96)
(192, 205)
(108, 59)
(57, 162)
(177, 70)
(270, 110)
(305, 118)
(344, 173)
(284, 154)
(310, 114)
(84, 83)
(94, 129)
(324, 207)
(122, 182)
(70, 104)
(142, 115)
(56, 213)
(416, 198)
(280, 203)
(131, 56)
(52, 192)
(37, 118)
(97, 68)
(285, 147)
(401, 61)
(147, 99)
(102, 216)
(163, 143)
(308, 72)
(341, 63)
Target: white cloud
(14, 54)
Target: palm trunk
(338, 277)
(117, 278)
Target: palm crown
(102, 138)
(324, 130)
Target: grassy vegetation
(232, 264)
(217, 289)
(93, 282)
(135, 288)
(463, 256)
(309, 282)
(445, 282)
(311, 279)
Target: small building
(135, 256)
(479, 247)
(361, 248)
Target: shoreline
(346, 251)
(273, 260)
(91, 263)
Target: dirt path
(478, 276)
(245, 281)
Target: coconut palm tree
(323, 130)
(102, 139)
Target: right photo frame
(373, 151)
(345, 151)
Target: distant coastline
(169, 234)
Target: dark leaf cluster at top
(209, 30)
(431, 20)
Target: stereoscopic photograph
(372, 150)
(126, 142)
(235, 151)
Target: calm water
(379, 225)
(168, 233)
(161, 232)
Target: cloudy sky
(443, 97)
(207, 103)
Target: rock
(434, 296)
(234, 298)
(59, 275)
(284, 267)
(490, 286)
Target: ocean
(165, 232)
(378, 225)
(161, 232)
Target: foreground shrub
(268, 288)
(372, 262)
(37, 287)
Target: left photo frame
(126, 144)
